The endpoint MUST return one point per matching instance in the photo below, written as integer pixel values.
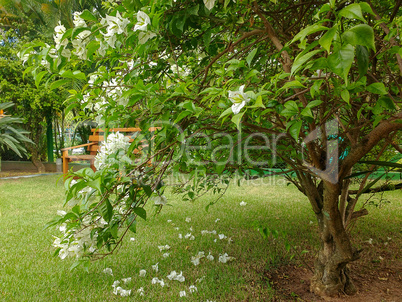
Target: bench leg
(92, 165)
(65, 163)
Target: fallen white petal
(108, 271)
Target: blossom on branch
(239, 99)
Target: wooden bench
(94, 144)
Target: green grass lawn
(29, 272)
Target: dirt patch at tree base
(375, 283)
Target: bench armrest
(79, 146)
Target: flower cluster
(74, 243)
(115, 26)
(143, 21)
(116, 144)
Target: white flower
(230, 240)
(116, 25)
(169, 221)
(108, 271)
(116, 143)
(209, 4)
(196, 259)
(143, 37)
(210, 257)
(156, 280)
(117, 290)
(180, 236)
(183, 293)
(217, 219)
(115, 283)
(188, 235)
(66, 53)
(163, 247)
(155, 267)
(132, 239)
(188, 219)
(61, 213)
(176, 228)
(243, 204)
(125, 293)
(63, 228)
(200, 279)
(175, 276)
(59, 31)
(160, 200)
(140, 291)
(143, 273)
(193, 288)
(225, 258)
(222, 236)
(80, 43)
(239, 99)
(126, 280)
(142, 21)
(78, 21)
(165, 255)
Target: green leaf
(300, 60)
(92, 47)
(314, 103)
(366, 8)
(106, 210)
(352, 11)
(182, 115)
(377, 88)
(362, 56)
(315, 88)
(307, 112)
(132, 223)
(294, 129)
(58, 83)
(386, 102)
(237, 119)
(291, 109)
(293, 84)
(87, 15)
(326, 40)
(147, 190)
(308, 31)
(345, 95)
(193, 10)
(382, 163)
(226, 112)
(341, 61)
(114, 230)
(39, 78)
(361, 34)
(141, 213)
(251, 56)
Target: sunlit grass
(29, 272)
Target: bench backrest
(97, 136)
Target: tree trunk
(37, 162)
(331, 275)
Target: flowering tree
(232, 85)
